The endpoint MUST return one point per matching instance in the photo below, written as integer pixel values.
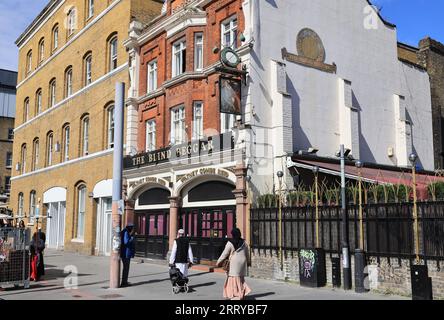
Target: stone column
(174, 211)
(240, 193)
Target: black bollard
(360, 273)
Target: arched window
(52, 92)
(110, 126)
(55, 37)
(68, 82)
(81, 209)
(23, 159)
(29, 62)
(20, 204)
(26, 110)
(41, 50)
(49, 148)
(85, 136)
(35, 154)
(71, 21)
(32, 205)
(112, 51)
(66, 137)
(89, 8)
(87, 66)
(38, 101)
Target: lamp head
(358, 164)
(315, 169)
(280, 174)
(413, 157)
(248, 178)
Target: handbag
(226, 263)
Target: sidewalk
(151, 281)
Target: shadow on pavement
(207, 284)
(52, 274)
(259, 295)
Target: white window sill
(78, 240)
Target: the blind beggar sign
(177, 152)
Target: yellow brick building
(70, 58)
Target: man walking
(181, 254)
(127, 251)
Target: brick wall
(392, 278)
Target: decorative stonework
(309, 45)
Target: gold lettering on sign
(222, 173)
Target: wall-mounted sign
(230, 95)
(197, 148)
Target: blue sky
(415, 19)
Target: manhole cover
(111, 296)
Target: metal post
(346, 260)
(360, 260)
(361, 223)
(280, 174)
(117, 206)
(315, 171)
(415, 214)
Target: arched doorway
(151, 220)
(208, 215)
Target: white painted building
(353, 91)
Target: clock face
(230, 58)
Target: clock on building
(229, 57)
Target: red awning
(373, 175)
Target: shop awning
(369, 172)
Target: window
(32, 206)
(68, 82)
(113, 53)
(152, 76)
(178, 125)
(52, 93)
(90, 8)
(150, 141)
(88, 68)
(179, 58)
(85, 136)
(41, 50)
(7, 185)
(10, 133)
(198, 120)
(49, 148)
(229, 33)
(8, 159)
(55, 37)
(226, 122)
(38, 102)
(29, 62)
(35, 155)
(110, 126)
(26, 110)
(23, 159)
(20, 204)
(71, 21)
(198, 51)
(66, 143)
(81, 195)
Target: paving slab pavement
(70, 276)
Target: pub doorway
(152, 223)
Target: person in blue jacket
(127, 251)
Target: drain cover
(111, 296)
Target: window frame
(55, 37)
(110, 126)
(72, 16)
(23, 151)
(150, 135)
(49, 148)
(113, 46)
(9, 160)
(35, 154)
(177, 135)
(85, 136)
(32, 205)
(26, 110)
(20, 204)
(10, 134)
(29, 62)
(66, 141)
(52, 92)
(89, 9)
(230, 30)
(68, 82)
(88, 65)
(179, 55)
(152, 74)
(81, 195)
(38, 101)
(41, 51)
(198, 134)
(198, 55)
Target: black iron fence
(387, 229)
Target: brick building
(70, 58)
(8, 81)
(184, 169)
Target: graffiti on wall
(307, 261)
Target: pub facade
(185, 163)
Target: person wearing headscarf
(36, 248)
(237, 251)
(181, 253)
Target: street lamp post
(316, 171)
(360, 262)
(413, 157)
(280, 174)
(346, 260)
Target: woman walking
(237, 251)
